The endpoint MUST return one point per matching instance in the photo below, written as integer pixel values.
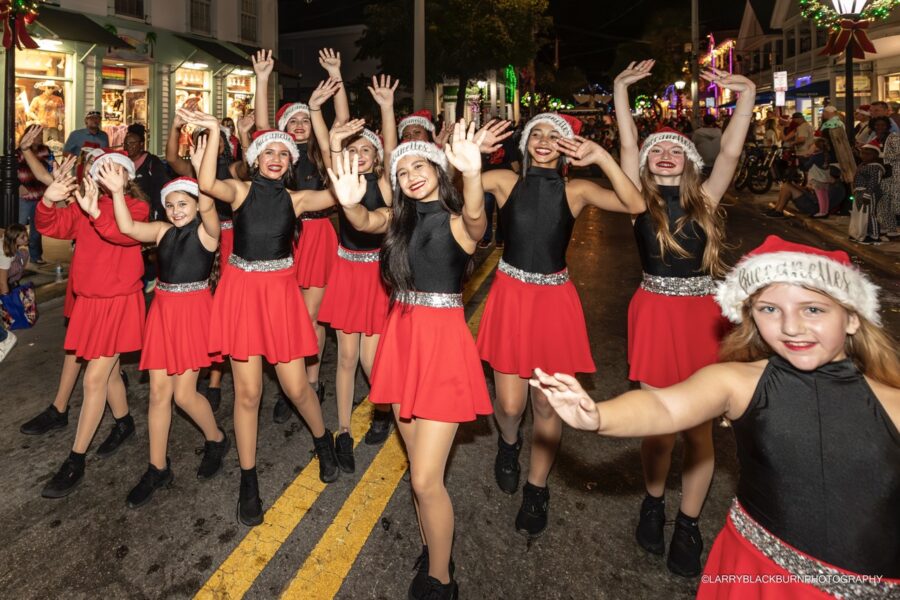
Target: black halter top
(264, 223)
(306, 175)
(691, 237)
(437, 261)
(351, 239)
(182, 258)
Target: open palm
(463, 152)
(568, 399)
(346, 183)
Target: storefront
(891, 91)
(193, 80)
(240, 85)
(43, 85)
(124, 98)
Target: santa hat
(423, 149)
(422, 118)
(263, 138)
(287, 111)
(188, 185)
(873, 145)
(779, 261)
(226, 136)
(863, 109)
(92, 152)
(113, 156)
(374, 139)
(566, 126)
(667, 134)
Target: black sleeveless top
(223, 209)
(264, 223)
(692, 238)
(437, 261)
(182, 258)
(537, 222)
(351, 239)
(820, 466)
(306, 175)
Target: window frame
(255, 16)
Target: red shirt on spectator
(33, 189)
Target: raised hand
(30, 136)
(61, 189)
(348, 186)
(331, 62)
(382, 90)
(196, 117)
(246, 123)
(568, 399)
(113, 177)
(495, 131)
(443, 136)
(325, 90)
(89, 199)
(581, 151)
(262, 63)
(339, 133)
(197, 153)
(464, 153)
(62, 169)
(732, 81)
(634, 72)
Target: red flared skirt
(69, 300)
(260, 314)
(315, 253)
(106, 326)
(428, 364)
(672, 337)
(177, 332)
(226, 245)
(355, 300)
(527, 326)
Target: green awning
(76, 27)
(281, 67)
(216, 50)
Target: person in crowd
(891, 185)
(230, 134)
(861, 131)
(708, 139)
(150, 172)
(867, 191)
(882, 109)
(31, 188)
(90, 135)
(771, 138)
(831, 118)
(803, 135)
(881, 129)
(13, 257)
(807, 356)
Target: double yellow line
(326, 567)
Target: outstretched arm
(463, 153)
(137, 230)
(244, 127)
(325, 90)
(209, 218)
(628, 135)
(37, 167)
(228, 190)
(114, 178)
(331, 62)
(59, 223)
(624, 197)
(181, 167)
(383, 93)
(349, 187)
(262, 66)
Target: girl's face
(181, 208)
(418, 178)
(300, 127)
(21, 239)
(881, 127)
(365, 154)
(413, 133)
(274, 161)
(805, 327)
(542, 146)
(666, 159)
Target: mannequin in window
(48, 111)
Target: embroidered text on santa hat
(287, 111)
(187, 185)
(667, 134)
(113, 156)
(424, 149)
(263, 138)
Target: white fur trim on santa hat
(423, 149)
(372, 137)
(552, 119)
(690, 150)
(115, 157)
(181, 184)
(414, 120)
(271, 137)
(844, 283)
(290, 111)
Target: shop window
(41, 89)
(790, 43)
(201, 16)
(124, 99)
(805, 38)
(892, 88)
(240, 86)
(249, 12)
(130, 8)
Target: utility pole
(695, 63)
(9, 183)
(419, 55)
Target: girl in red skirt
(814, 402)
(533, 315)
(426, 366)
(356, 302)
(674, 326)
(316, 250)
(258, 312)
(108, 316)
(177, 329)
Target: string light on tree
(25, 13)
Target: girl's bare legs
(247, 394)
(312, 298)
(68, 377)
(99, 375)
(159, 416)
(197, 408)
(512, 393)
(292, 377)
(345, 379)
(544, 438)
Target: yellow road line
(478, 277)
(238, 572)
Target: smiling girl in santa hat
(815, 407)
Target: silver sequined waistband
(431, 299)
(260, 266)
(679, 286)
(181, 288)
(535, 278)
(362, 256)
(316, 214)
(226, 225)
(819, 575)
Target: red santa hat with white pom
(263, 138)
(424, 149)
(289, 110)
(188, 185)
(566, 126)
(667, 134)
(422, 118)
(113, 156)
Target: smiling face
(542, 146)
(365, 153)
(299, 126)
(274, 161)
(181, 208)
(805, 327)
(134, 146)
(666, 159)
(417, 178)
(413, 133)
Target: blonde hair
(871, 349)
(696, 209)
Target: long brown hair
(696, 209)
(870, 348)
(9, 238)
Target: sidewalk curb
(49, 291)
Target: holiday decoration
(25, 13)
(847, 32)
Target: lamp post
(848, 10)
(9, 182)
(679, 87)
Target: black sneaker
(282, 411)
(532, 517)
(421, 569)
(48, 420)
(380, 428)
(685, 548)
(213, 457)
(328, 465)
(249, 507)
(774, 214)
(343, 450)
(506, 465)
(432, 589)
(214, 397)
(121, 431)
(152, 480)
(66, 479)
(649, 532)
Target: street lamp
(679, 87)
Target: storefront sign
(780, 81)
(114, 75)
(862, 85)
(779, 98)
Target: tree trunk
(461, 96)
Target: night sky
(589, 30)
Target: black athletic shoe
(685, 548)
(121, 431)
(214, 397)
(421, 569)
(281, 413)
(213, 457)
(343, 450)
(649, 532)
(328, 465)
(432, 589)
(249, 507)
(506, 465)
(380, 428)
(48, 420)
(66, 479)
(532, 517)
(152, 480)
